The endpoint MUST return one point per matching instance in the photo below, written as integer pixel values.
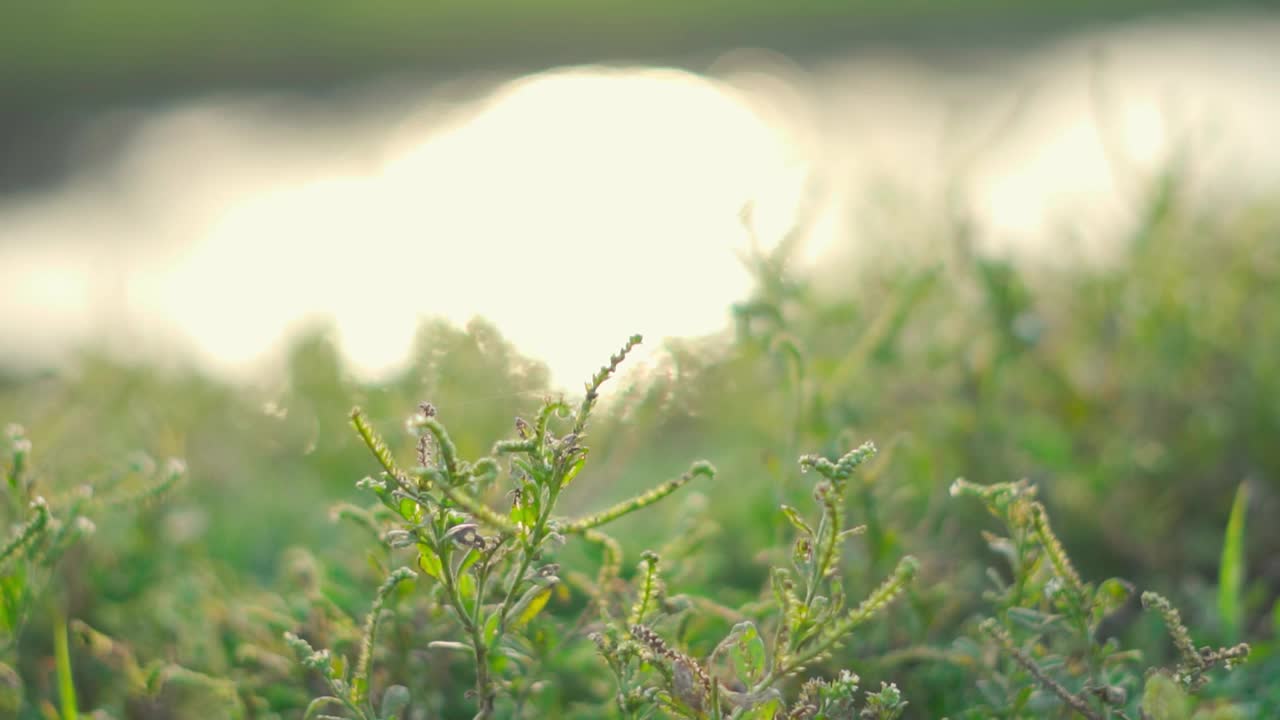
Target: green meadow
(924, 481)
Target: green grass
(1136, 397)
(1231, 571)
(66, 681)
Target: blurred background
(1001, 239)
(200, 182)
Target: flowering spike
(640, 501)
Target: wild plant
(492, 571)
(1057, 633)
(239, 662)
(748, 672)
(144, 683)
(41, 526)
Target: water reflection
(577, 206)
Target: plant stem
(484, 694)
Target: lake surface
(576, 206)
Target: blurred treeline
(62, 64)
(1137, 392)
(151, 44)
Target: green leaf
(746, 653)
(796, 520)
(13, 588)
(1115, 603)
(491, 629)
(572, 472)
(522, 514)
(1023, 696)
(429, 562)
(409, 510)
(1231, 572)
(154, 677)
(467, 561)
(467, 591)
(530, 605)
(1111, 595)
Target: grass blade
(1231, 571)
(66, 683)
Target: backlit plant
(38, 531)
(493, 570)
(1057, 632)
(747, 674)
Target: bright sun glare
(572, 208)
(575, 207)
